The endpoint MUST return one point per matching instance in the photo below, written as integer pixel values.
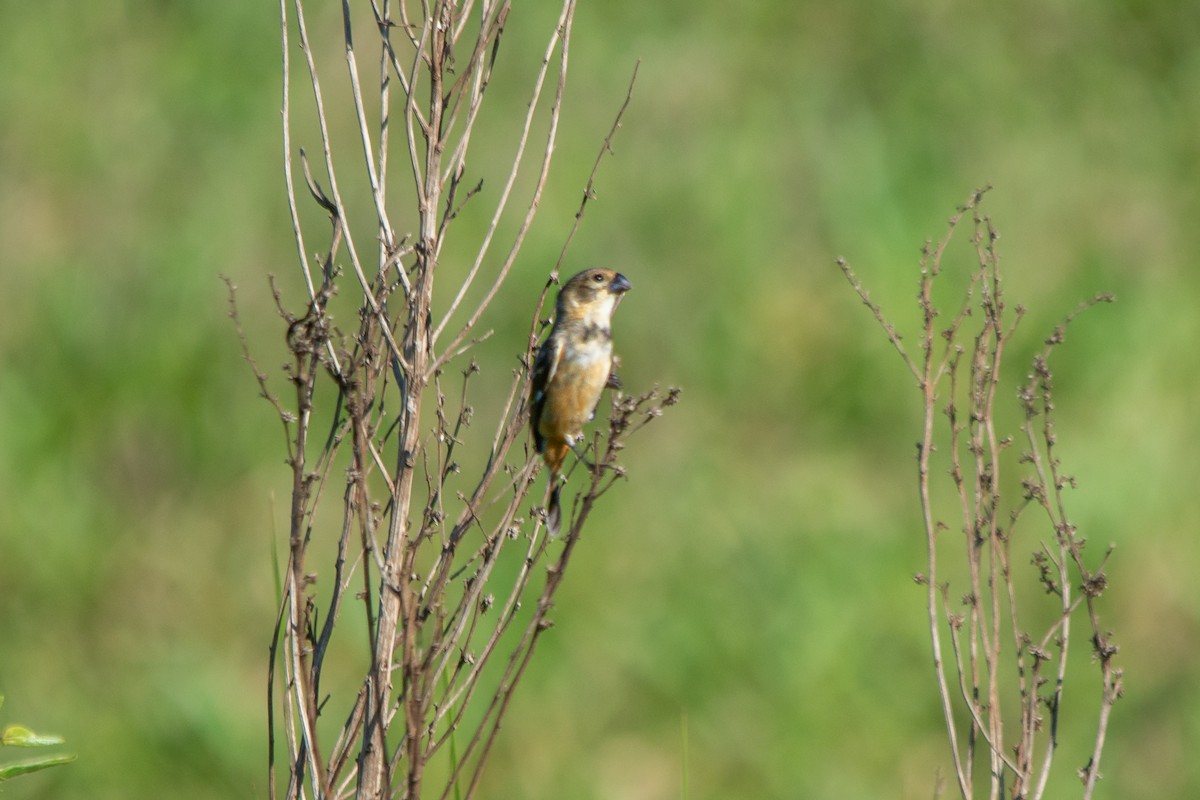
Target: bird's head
(592, 295)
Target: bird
(572, 368)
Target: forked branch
(959, 382)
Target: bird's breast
(575, 388)
(590, 348)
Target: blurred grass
(755, 572)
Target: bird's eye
(598, 277)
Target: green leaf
(20, 736)
(8, 771)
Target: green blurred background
(751, 582)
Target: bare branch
(961, 384)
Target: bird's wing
(544, 366)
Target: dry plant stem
(286, 129)
(961, 380)
(927, 373)
(930, 371)
(265, 393)
(985, 366)
(385, 226)
(416, 543)
(1048, 493)
(335, 200)
(385, 116)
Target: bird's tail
(554, 453)
(554, 509)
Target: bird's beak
(620, 284)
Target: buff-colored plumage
(572, 368)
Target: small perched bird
(572, 368)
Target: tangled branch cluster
(436, 569)
(990, 647)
